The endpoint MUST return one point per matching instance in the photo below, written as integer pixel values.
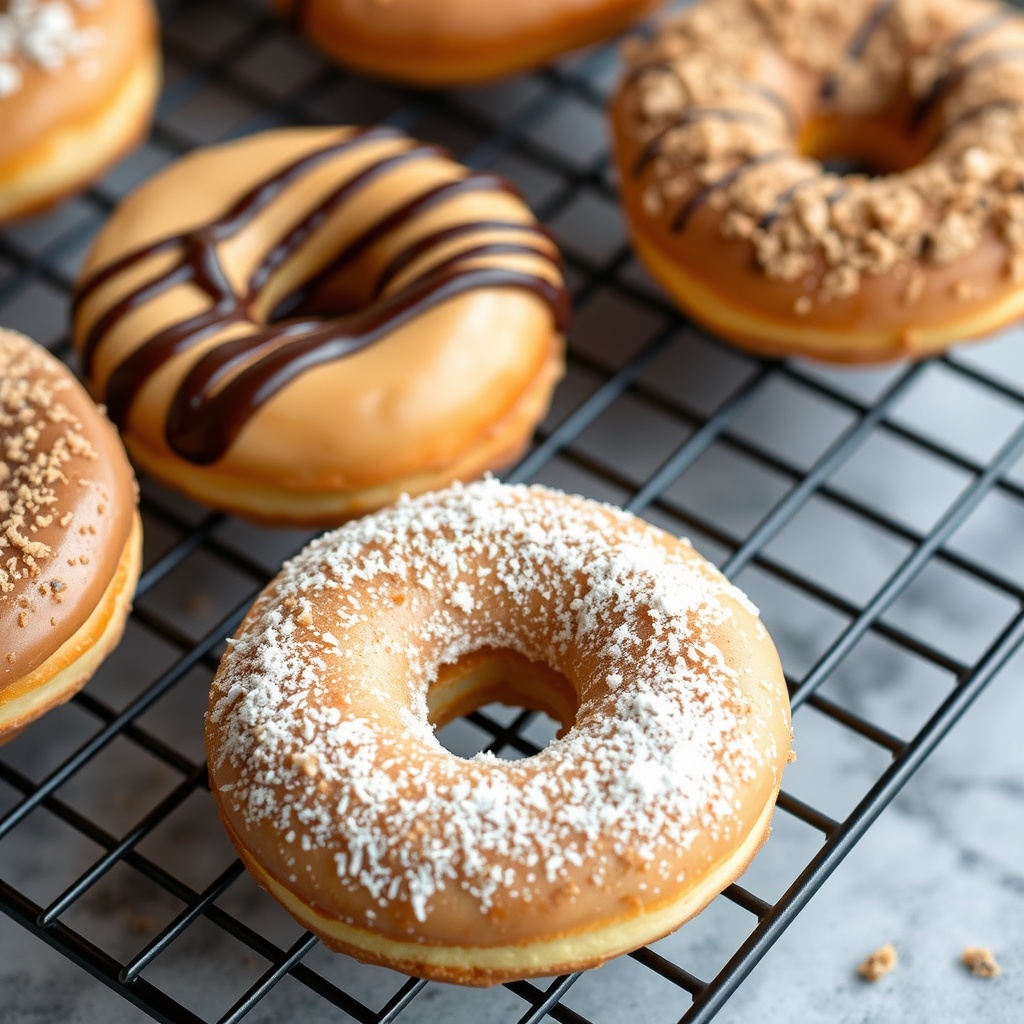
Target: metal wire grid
(232, 69)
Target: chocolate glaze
(228, 384)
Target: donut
(70, 536)
(78, 82)
(345, 807)
(721, 122)
(451, 42)
(301, 325)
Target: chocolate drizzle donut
(734, 213)
(419, 250)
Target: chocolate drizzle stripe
(765, 92)
(777, 100)
(948, 81)
(394, 220)
(872, 23)
(413, 252)
(228, 383)
(781, 199)
(696, 201)
(859, 42)
(654, 144)
(202, 424)
(975, 31)
(314, 221)
(244, 210)
(976, 112)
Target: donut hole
(871, 146)
(500, 676)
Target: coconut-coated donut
(301, 325)
(450, 42)
(78, 81)
(346, 808)
(721, 120)
(70, 536)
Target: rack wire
(772, 467)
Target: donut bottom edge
(74, 663)
(777, 339)
(486, 966)
(60, 165)
(267, 504)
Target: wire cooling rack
(871, 514)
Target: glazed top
(724, 97)
(322, 753)
(67, 500)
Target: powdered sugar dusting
(45, 34)
(343, 761)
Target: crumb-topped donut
(303, 324)
(70, 537)
(78, 81)
(449, 42)
(720, 123)
(346, 808)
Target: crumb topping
(711, 127)
(879, 963)
(981, 962)
(39, 439)
(321, 748)
(45, 34)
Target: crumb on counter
(980, 962)
(879, 963)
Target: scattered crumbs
(980, 962)
(58, 586)
(879, 964)
(654, 757)
(39, 439)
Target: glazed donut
(449, 42)
(301, 325)
(721, 121)
(78, 81)
(345, 807)
(70, 537)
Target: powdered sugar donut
(347, 809)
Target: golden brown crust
(718, 124)
(75, 105)
(69, 537)
(654, 797)
(442, 395)
(426, 42)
